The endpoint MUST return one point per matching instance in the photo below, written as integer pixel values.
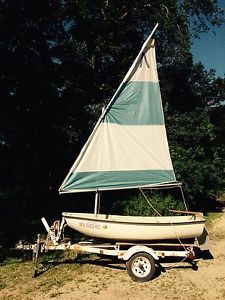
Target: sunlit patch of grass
(54, 270)
(211, 217)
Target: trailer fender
(135, 249)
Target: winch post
(55, 235)
(61, 229)
(49, 231)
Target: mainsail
(128, 147)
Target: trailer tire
(141, 267)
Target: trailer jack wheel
(141, 267)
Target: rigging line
(171, 187)
(172, 225)
(178, 238)
(155, 210)
(182, 193)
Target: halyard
(92, 278)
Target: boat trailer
(140, 258)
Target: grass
(54, 269)
(211, 217)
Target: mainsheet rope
(148, 201)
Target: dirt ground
(97, 279)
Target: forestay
(128, 147)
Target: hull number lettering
(92, 225)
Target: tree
(194, 117)
(61, 62)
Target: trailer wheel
(141, 267)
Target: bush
(139, 206)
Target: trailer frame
(140, 258)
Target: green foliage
(57, 57)
(61, 61)
(158, 203)
(211, 217)
(187, 86)
(195, 127)
(197, 151)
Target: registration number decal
(92, 225)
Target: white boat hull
(131, 228)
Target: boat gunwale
(157, 223)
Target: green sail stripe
(101, 180)
(136, 103)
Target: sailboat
(128, 149)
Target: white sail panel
(146, 148)
(145, 69)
